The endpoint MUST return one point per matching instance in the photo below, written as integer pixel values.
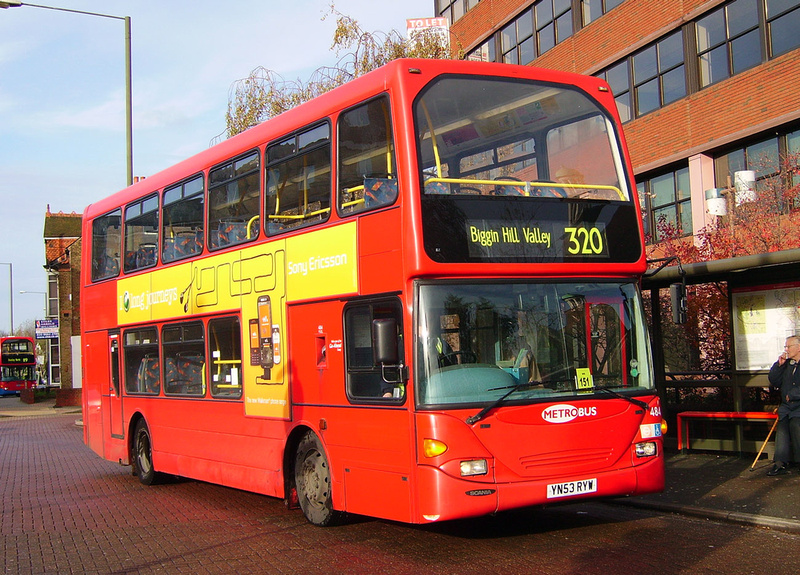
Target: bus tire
(143, 454)
(312, 477)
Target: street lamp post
(10, 294)
(128, 94)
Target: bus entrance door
(115, 391)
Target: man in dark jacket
(785, 376)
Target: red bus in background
(17, 364)
(414, 297)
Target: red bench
(683, 417)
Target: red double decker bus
(17, 364)
(414, 297)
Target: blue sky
(62, 98)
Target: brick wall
(744, 104)
(68, 397)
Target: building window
(619, 79)
(728, 41)
(52, 295)
(516, 40)
(593, 9)
(793, 156)
(483, 53)
(553, 23)
(783, 21)
(667, 205)
(659, 75)
(761, 157)
(453, 10)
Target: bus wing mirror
(677, 295)
(384, 341)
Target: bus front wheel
(312, 477)
(143, 454)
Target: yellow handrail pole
(433, 139)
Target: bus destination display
(499, 238)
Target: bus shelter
(763, 296)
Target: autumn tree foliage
(265, 93)
(769, 221)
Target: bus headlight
(474, 467)
(646, 449)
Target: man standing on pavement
(785, 375)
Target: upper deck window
(233, 198)
(141, 234)
(299, 180)
(106, 243)
(367, 162)
(494, 137)
(182, 231)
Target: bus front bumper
(444, 497)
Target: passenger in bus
(527, 336)
(566, 175)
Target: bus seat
(437, 188)
(379, 192)
(190, 372)
(188, 243)
(231, 232)
(148, 375)
(172, 383)
(145, 256)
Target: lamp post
(10, 294)
(128, 95)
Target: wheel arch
(134, 421)
(289, 451)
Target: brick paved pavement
(66, 510)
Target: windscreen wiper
(497, 402)
(633, 400)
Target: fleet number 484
(587, 241)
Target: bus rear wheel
(143, 455)
(312, 477)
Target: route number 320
(584, 241)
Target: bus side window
(225, 357)
(106, 244)
(367, 163)
(141, 234)
(182, 228)
(184, 359)
(299, 180)
(365, 380)
(233, 202)
(142, 365)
